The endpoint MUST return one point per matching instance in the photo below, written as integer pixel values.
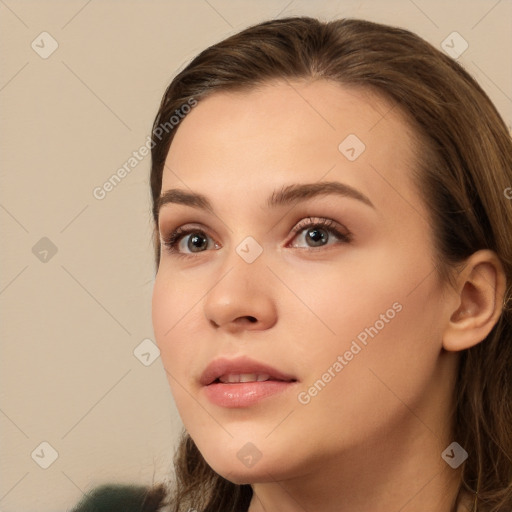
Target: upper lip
(222, 366)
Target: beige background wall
(71, 321)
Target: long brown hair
(464, 172)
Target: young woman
(332, 299)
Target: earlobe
(480, 289)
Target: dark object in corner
(122, 498)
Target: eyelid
(318, 221)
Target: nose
(242, 299)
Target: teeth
(244, 377)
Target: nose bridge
(246, 263)
(242, 292)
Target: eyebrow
(287, 195)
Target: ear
(479, 289)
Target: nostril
(239, 320)
(246, 319)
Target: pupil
(316, 235)
(196, 241)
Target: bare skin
(372, 436)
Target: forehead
(285, 132)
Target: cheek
(340, 300)
(388, 335)
(383, 316)
(173, 314)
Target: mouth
(246, 377)
(242, 382)
(241, 370)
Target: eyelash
(172, 240)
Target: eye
(316, 232)
(181, 239)
(185, 242)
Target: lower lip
(244, 394)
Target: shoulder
(122, 498)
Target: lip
(223, 366)
(242, 394)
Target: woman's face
(348, 314)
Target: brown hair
(464, 170)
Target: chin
(245, 462)
(238, 476)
